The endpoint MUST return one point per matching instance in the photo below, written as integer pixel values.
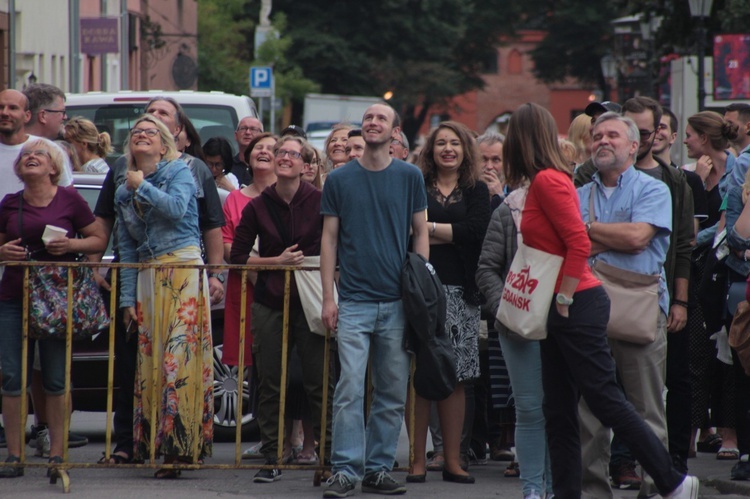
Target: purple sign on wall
(99, 35)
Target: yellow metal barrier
(60, 470)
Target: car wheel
(227, 397)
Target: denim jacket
(734, 240)
(159, 217)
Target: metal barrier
(59, 471)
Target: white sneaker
(42, 443)
(253, 452)
(688, 489)
(532, 495)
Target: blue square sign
(261, 79)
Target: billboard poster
(731, 67)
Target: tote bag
(311, 294)
(528, 290)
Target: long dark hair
(531, 145)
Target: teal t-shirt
(374, 211)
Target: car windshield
(117, 120)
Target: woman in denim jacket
(168, 307)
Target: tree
(423, 51)
(226, 33)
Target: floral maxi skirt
(177, 392)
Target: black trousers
(576, 361)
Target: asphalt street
(208, 483)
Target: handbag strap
(20, 216)
(273, 210)
(591, 202)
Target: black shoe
(450, 477)
(382, 483)
(267, 476)
(339, 485)
(740, 471)
(624, 477)
(53, 470)
(76, 440)
(3, 442)
(11, 471)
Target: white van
(212, 113)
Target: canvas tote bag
(634, 298)
(527, 294)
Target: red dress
(233, 206)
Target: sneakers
(688, 489)
(339, 485)
(741, 470)
(474, 460)
(267, 476)
(11, 471)
(41, 442)
(382, 483)
(623, 476)
(76, 440)
(532, 495)
(253, 452)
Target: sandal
(117, 457)
(167, 474)
(728, 454)
(311, 458)
(436, 462)
(711, 444)
(512, 471)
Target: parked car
(90, 358)
(212, 113)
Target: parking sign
(261, 79)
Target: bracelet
(680, 303)
(432, 233)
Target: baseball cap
(294, 130)
(602, 107)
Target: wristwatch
(564, 300)
(217, 275)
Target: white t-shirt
(10, 183)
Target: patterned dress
(174, 396)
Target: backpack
(424, 303)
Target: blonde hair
(55, 157)
(336, 128)
(569, 151)
(82, 130)
(166, 140)
(578, 132)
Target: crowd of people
(609, 196)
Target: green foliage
(424, 51)
(224, 54)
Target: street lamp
(609, 71)
(701, 10)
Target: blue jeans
(374, 331)
(51, 354)
(524, 363)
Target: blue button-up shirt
(636, 198)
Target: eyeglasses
(149, 132)
(292, 154)
(253, 129)
(63, 111)
(646, 133)
(215, 164)
(396, 142)
(35, 152)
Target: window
(515, 62)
